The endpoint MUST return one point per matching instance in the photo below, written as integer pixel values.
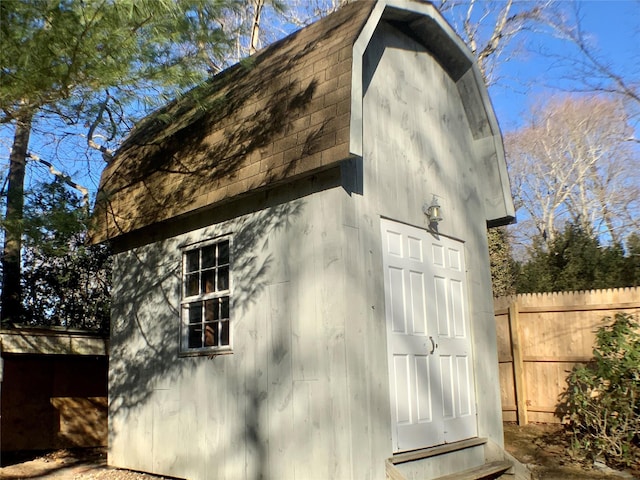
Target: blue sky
(610, 27)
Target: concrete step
(488, 471)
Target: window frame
(187, 300)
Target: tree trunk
(11, 266)
(255, 26)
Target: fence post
(518, 364)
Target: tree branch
(65, 178)
(107, 154)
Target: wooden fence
(541, 337)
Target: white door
(429, 348)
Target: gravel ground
(68, 465)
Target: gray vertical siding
(298, 398)
(305, 392)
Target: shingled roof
(280, 114)
(291, 110)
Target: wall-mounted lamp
(433, 211)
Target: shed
(53, 384)
(282, 306)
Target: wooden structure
(53, 389)
(282, 306)
(541, 337)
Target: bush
(603, 398)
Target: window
(206, 293)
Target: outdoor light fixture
(433, 211)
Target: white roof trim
(486, 131)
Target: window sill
(205, 353)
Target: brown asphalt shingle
(282, 113)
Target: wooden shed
(283, 307)
(53, 385)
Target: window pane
(223, 253)
(223, 278)
(211, 335)
(191, 285)
(195, 336)
(193, 260)
(224, 307)
(211, 308)
(216, 333)
(208, 257)
(224, 334)
(208, 279)
(195, 313)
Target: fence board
(541, 337)
(517, 363)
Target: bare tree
(574, 162)
(304, 12)
(591, 71)
(490, 28)
(254, 27)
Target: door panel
(418, 314)
(402, 389)
(423, 387)
(431, 380)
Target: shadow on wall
(146, 308)
(146, 316)
(144, 337)
(81, 421)
(249, 396)
(177, 142)
(53, 401)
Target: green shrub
(602, 401)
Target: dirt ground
(544, 448)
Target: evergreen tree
(503, 269)
(612, 268)
(73, 62)
(535, 274)
(632, 271)
(65, 282)
(575, 260)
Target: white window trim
(184, 350)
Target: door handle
(433, 345)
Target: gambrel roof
(291, 110)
